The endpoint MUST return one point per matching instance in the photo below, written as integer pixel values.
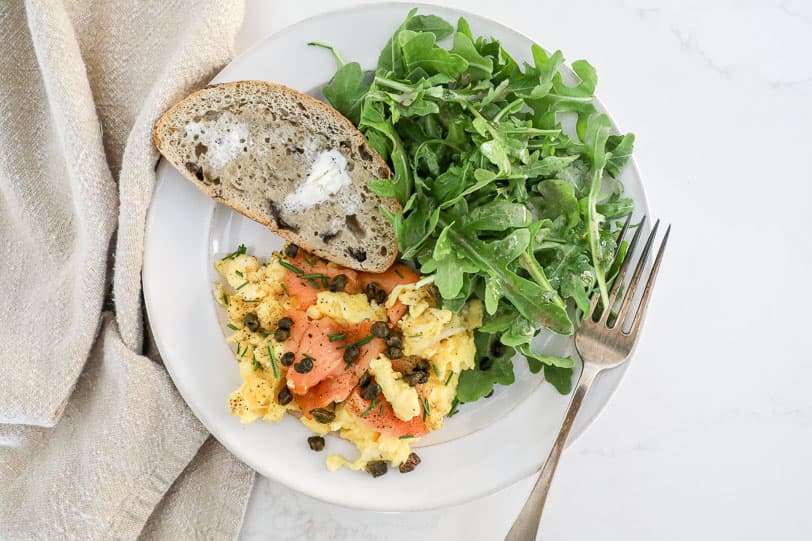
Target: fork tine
(594, 303)
(641, 310)
(621, 273)
(627, 298)
(623, 231)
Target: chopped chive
(311, 275)
(244, 352)
(306, 356)
(336, 337)
(238, 273)
(291, 268)
(448, 378)
(406, 437)
(454, 405)
(255, 365)
(398, 273)
(250, 300)
(232, 327)
(239, 251)
(359, 342)
(324, 281)
(426, 408)
(242, 285)
(285, 289)
(313, 284)
(308, 261)
(265, 334)
(238, 348)
(370, 408)
(380, 410)
(434, 369)
(273, 363)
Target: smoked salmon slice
(315, 276)
(337, 387)
(325, 356)
(381, 417)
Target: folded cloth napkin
(95, 442)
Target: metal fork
(602, 344)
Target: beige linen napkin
(95, 443)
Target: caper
(291, 250)
(287, 358)
(416, 377)
(304, 366)
(379, 329)
(285, 323)
(284, 397)
(376, 468)
(316, 443)
(497, 348)
(351, 354)
(394, 352)
(422, 365)
(410, 463)
(323, 416)
(338, 283)
(394, 340)
(371, 392)
(281, 335)
(485, 363)
(251, 321)
(365, 379)
(374, 292)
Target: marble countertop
(710, 435)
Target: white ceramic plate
(487, 446)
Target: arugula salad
(500, 202)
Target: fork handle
(526, 525)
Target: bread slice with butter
(287, 161)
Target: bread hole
(277, 216)
(328, 236)
(362, 150)
(212, 115)
(301, 106)
(268, 140)
(195, 169)
(352, 223)
(384, 251)
(350, 166)
(357, 254)
(383, 172)
(200, 148)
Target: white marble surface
(710, 435)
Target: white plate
(487, 446)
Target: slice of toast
(287, 161)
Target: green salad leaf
(500, 202)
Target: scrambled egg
(397, 392)
(440, 336)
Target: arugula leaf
(347, 91)
(560, 378)
(420, 51)
(476, 383)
